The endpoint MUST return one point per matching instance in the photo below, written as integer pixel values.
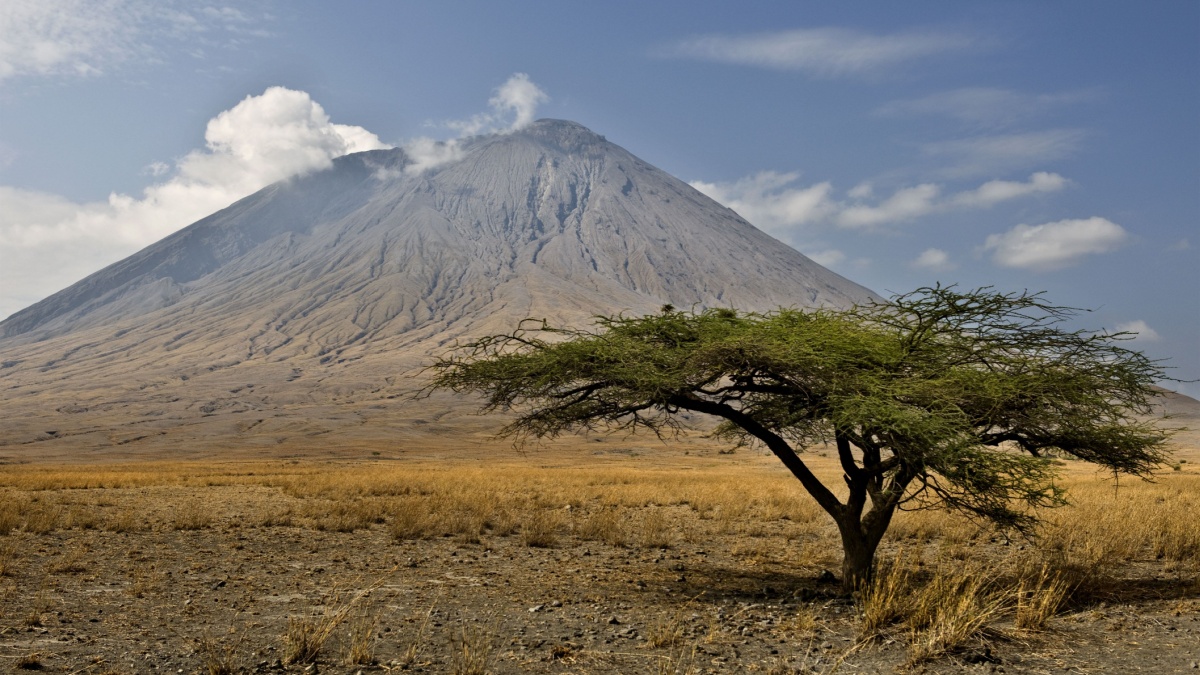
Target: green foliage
(935, 398)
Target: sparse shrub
(409, 655)
(667, 631)
(655, 531)
(360, 640)
(43, 518)
(888, 599)
(217, 658)
(192, 515)
(605, 525)
(10, 515)
(540, 529)
(8, 559)
(306, 635)
(803, 622)
(1039, 599)
(411, 520)
(348, 516)
(950, 610)
(83, 517)
(471, 651)
(124, 520)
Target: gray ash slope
(367, 264)
(551, 220)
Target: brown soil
(151, 597)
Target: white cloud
(772, 202)
(934, 259)
(820, 51)
(1144, 332)
(71, 38)
(1054, 245)
(996, 191)
(262, 139)
(864, 190)
(48, 242)
(914, 202)
(984, 106)
(75, 37)
(1002, 152)
(427, 153)
(904, 204)
(766, 200)
(518, 98)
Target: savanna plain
(569, 559)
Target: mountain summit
(329, 285)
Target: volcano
(308, 308)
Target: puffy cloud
(921, 200)
(904, 204)
(517, 98)
(996, 191)
(1054, 245)
(766, 199)
(520, 96)
(934, 259)
(820, 51)
(262, 139)
(1144, 333)
(427, 153)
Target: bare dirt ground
(624, 564)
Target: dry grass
(306, 635)
(472, 650)
(360, 640)
(1039, 599)
(888, 599)
(218, 658)
(759, 516)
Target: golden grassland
(943, 580)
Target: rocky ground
(238, 593)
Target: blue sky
(1025, 145)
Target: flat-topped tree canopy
(935, 398)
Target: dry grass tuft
(360, 640)
(540, 529)
(888, 600)
(952, 609)
(216, 658)
(1039, 599)
(656, 532)
(306, 635)
(192, 515)
(472, 651)
(605, 525)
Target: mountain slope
(326, 292)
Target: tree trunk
(858, 562)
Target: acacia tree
(937, 398)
